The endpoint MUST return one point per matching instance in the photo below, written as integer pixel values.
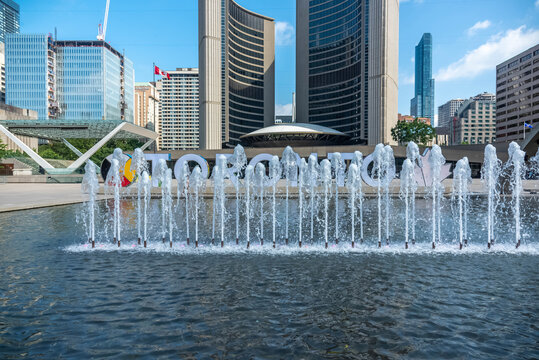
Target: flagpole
(524, 138)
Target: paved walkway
(30, 196)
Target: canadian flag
(158, 71)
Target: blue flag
(528, 125)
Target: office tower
(447, 111)
(237, 72)
(422, 105)
(9, 24)
(9, 18)
(69, 80)
(517, 94)
(475, 121)
(179, 112)
(347, 66)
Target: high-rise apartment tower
(179, 115)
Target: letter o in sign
(365, 172)
(204, 167)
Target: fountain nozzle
(163, 239)
(518, 244)
(248, 243)
(196, 243)
(93, 244)
(286, 241)
(406, 245)
(353, 243)
(379, 244)
(237, 241)
(187, 241)
(460, 247)
(222, 243)
(139, 240)
(326, 245)
(433, 245)
(488, 245)
(118, 243)
(145, 243)
(299, 242)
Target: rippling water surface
(60, 299)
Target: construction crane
(102, 30)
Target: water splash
(219, 175)
(113, 182)
(412, 153)
(90, 186)
(516, 162)
(238, 161)
(302, 178)
(312, 182)
(337, 164)
(462, 178)
(140, 165)
(490, 173)
(260, 181)
(275, 175)
(197, 184)
(248, 185)
(290, 171)
(436, 161)
(183, 191)
(325, 178)
(408, 184)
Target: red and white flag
(158, 71)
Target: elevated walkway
(60, 130)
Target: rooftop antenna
(102, 31)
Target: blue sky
(470, 37)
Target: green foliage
(416, 131)
(58, 150)
(3, 150)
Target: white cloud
(407, 79)
(284, 33)
(285, 109)
(496, 50)
(537, 4)
(480, 25)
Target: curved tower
(346, 66)
(237, 76)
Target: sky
(470, 37)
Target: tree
(58, 150)
(416, 131)
(3, 150)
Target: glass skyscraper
(70, 80)
(422, 105)
(9, 18)
(346, 67)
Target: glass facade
(9, 18)
(80, 82)
(69, 80)
(245, 38)
(422, 105)
(27, 72)
(338, 65)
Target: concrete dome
(302, 134)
